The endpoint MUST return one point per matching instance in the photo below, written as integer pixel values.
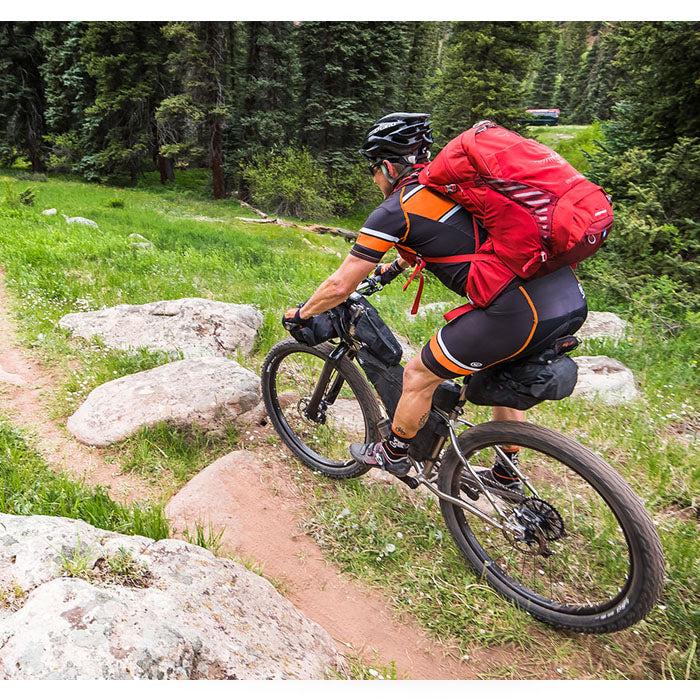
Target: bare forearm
(325, 297)
(338, 286)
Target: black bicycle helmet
(401, 137)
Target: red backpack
(541, 213)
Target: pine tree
(572, 46)
(351, 75)
(198, 111)
(659, 82)
(545, 79)
(69, 90)
(267, 115)
(425, 40)
(485, 66)
(598, 79)
(125, 60)
(22, 100)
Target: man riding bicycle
(419, 221)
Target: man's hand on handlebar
(388, 272)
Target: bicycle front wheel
(581, 554)
(318, 407)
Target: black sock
(396, 446)
(502, 472)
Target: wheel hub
(318, 417)
(540, 522)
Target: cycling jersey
(417, 220)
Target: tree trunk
(166, 168)
(216, 157)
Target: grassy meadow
(201, 249)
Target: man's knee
(417, 377)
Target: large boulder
(601, 377)
(603, 324)
(209, 392)
(135, 608)
(194, 327)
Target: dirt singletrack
(24, 383)
(253, 498)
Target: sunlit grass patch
(29, 487)
(170, 455)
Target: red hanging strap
(417, 272)
(445, 259)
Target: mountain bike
(576, 550)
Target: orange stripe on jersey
(374, 243)
(428, 204)
(535, 321)
(445, 361)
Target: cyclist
(416, 220)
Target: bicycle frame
(324, 396)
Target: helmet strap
(393, 180)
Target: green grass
(29, 487)
(571, 141)
(52, 269)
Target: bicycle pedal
(410, 481)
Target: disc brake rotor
(540, 523)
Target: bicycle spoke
(585, 566)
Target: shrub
(352, 189)
(116, 203)
(15, 199)
(288, 182)
(292, 182)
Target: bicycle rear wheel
(319, 407)
(585, 556)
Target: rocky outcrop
(601, 377)
(135, 608)
(209, 393)
(139, 242)
(603, 324)
(194, 327)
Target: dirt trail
(254, 497)
(23, 381)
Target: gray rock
(194, 327)
(193, 616)
(50, 212)
(601, 377)
(436, 307)
(139, 242)
(208, 392)
(602, 324)
(80, 220)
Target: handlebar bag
(317, 329)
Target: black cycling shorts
(523, 320)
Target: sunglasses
(373, 169)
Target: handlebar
(370, 285)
